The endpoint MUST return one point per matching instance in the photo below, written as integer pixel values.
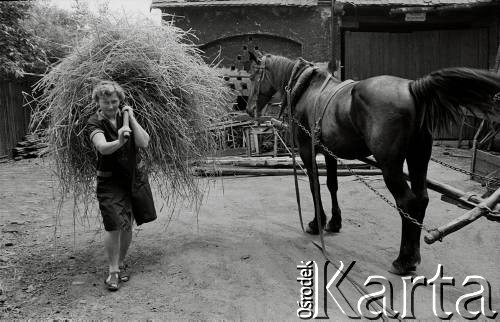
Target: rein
(316, 132)
(315, 138)
(262, 69)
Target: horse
(389, 117)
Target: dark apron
(143, 207)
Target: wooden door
(414, 54)
(14, 117)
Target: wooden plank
(3, 118)
(433, 21)
(14, 118)
(349, 44)
(493, 46)
(275, 162)
(375, 53)
(232, 171)
(409, 44)
(398, 53)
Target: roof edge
(158, 4)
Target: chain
(488, 180)
(360, 178)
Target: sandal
(113, 281)
(124, 275)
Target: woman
(123, 189)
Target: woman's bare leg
(112, 247)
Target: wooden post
(255, 136)
(333, 39)
(474, 149)
(249, 141)
(461, 131)
(275, 147)
(336, 38)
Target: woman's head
(106, 89)
(108, 95)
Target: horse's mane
(282, 65)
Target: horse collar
(291, 86)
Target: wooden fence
(14, 117)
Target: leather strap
(286, 101)
(294, 163)
(333, 93)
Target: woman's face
(109, 104)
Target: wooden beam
(453, 7)
(405, 10)
(274, 162)
(472, 20)
(233, 171)
(462, 221)
(460, 196)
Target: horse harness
(293, 90)
(302, 73)
(288, 102)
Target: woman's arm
(141, 137)
(104, 147)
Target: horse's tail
(442, 93)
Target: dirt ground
(236, 260)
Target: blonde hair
(106, 88)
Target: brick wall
(287, 31)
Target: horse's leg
(306, 156)
(409, 251)
(335, 223)
(417, 158)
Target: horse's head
(261, 87)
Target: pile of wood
(229, 133)
(32, 146)
(274, 166)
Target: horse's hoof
(333, 228)
(397, 269)
(312, 230)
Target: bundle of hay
(175, 96)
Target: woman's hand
(128, 109)
(141, 137)
(122, 134)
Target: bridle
(261, 74)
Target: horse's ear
(255, 55)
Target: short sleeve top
(124, 160)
